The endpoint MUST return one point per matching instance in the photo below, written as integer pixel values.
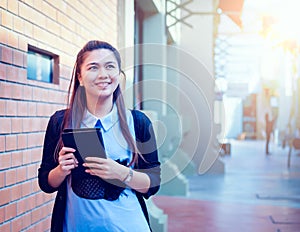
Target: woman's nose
(102, 73)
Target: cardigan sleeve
(146, 143)
(48, 160)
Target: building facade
(59, 29)
(168, 63)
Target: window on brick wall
(42, 65)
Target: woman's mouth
(103, 84)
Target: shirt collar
(89, 120)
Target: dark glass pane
(39, 67)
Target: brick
(26, 218)
(25, 11)
(39, 199)
(22, 205)
(27, 91)
(28, 29)
(46, 224)
(52, 26)
(3, 34)
(22, 107)
(3, 3)
(5, 90)
(17, 224)
(6, 54)
(36, 154)
(31, 202)
(12, 5)
(5, 160)
(33, 140)
(18, 25)
(65, 21)
(5, 227)
(2, 107)
(12, 39)
(25, 62)
(16, 192)
(32, 171)
(37, 4)
(38, 94)
(46, 208)
(36, 188)
(43, 125)
(2, 180)
(11, 108)
(2, 71)
(27, 124)
(10, 177)
(2, 143)
(5, 196)
(41, 109)
(18, 58)
(18, 91)
(36, 215)
(23, 42)
(16, 125)
(16, 158)
(27, 190)
(26, 157)
(12, 74)
(32, 108)
(49, 10)
(5, 125)
(22, 142)
(11, 142)
(39, 33)
(7, 19)
(21, 174)
(2, 213)
(10, 211)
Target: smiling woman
(99, 75)
(106, 193)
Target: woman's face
(99, 74)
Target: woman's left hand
(105, 168)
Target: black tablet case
(88, 142)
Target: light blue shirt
(123, 214)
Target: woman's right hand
(67, 160)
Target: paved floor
(256, 193)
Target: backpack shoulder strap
(137, 126)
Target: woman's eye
(110, 66)
(94, 67)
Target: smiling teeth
(102, 84)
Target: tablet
(88, 142)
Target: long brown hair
(77, 98)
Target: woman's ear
(122, 81)
(79, 79)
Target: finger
(94, 166)
(67, 150)
(67, 162)
(67, 156)
(68, 167)
(95, 159)
(97, 172)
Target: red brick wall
(60, 27)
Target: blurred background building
(205, 71)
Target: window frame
(53, 57)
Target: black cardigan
(146, 144)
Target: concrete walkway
(258, 192)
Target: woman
(96, 95)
